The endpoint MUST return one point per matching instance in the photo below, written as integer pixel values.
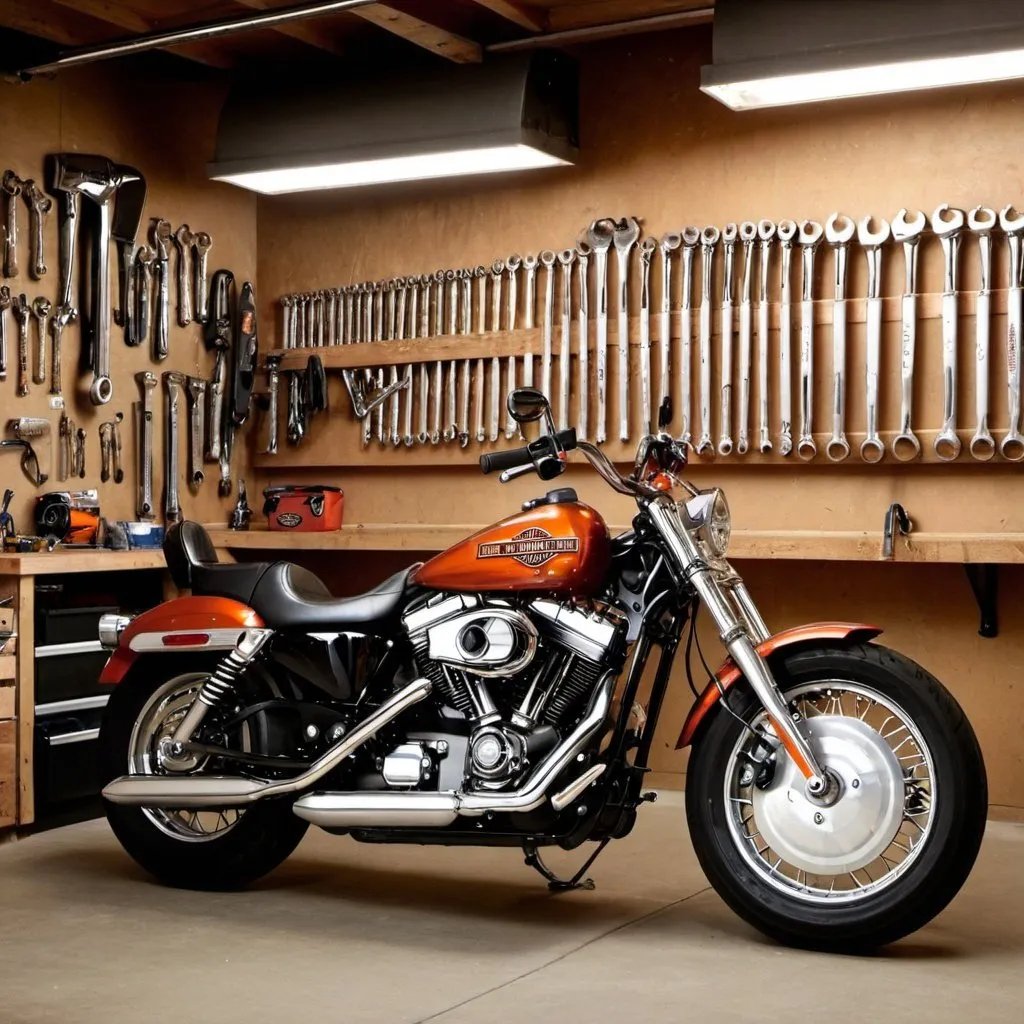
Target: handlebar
(494, 462)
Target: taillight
(185, 639)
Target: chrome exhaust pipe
(196, 791)
(409, 809)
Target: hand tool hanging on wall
(183, 245)
(174, 385)
(627, 232)
(246, 352)
(808, 238)
(5, 304)
(241, 513)
(41, 311)
(839, 229)
(408, 397)
(161, 238)
(25, 430)
(583, 253)
(465, 288)
(872, 449)
(907, 231)
(451, 429)
(668, 245)
(600, 235)
(65, 454)
(530, 264)
(1012, 224)
(61, 318)
(497, 406)
(106, 451)
(566, 258)
(12, 186)
(729, 235)
(39, 206)
(196, 394)
(691, 236)
(29, 460)
(981, 221)
(201, 243)
(512, 265)
(709, 238)
(947, 224)
(80, 438)
(273, 384)
(787, 232)
(218, 336)
(647, 249)
(141, 290)
(22, 312)
(548, 260)
(765, 232)
(128, 210)
(748, 236)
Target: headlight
(708, 515)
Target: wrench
(39, 205)
(730, 233)
(174, 383)
(5, 304)
(599, 237)
(201, 242)
(162, 316)
(22, 311)
(426, 284)
(196, 391)
(691, 236)
(583, 253)
(839, 229)
(627, 233)
(144, 261)
(12, 186)
(787, 232)
(80, 453)
(668, 245)
(565, 258)
(748, 236)
(708, 241)
(647, 249)
(530, 264)
(437, 394)
(147, 383)
(451, 430)
(905, 445)
(808, 238)
(981, 221)
(183, 243)
(106, 450)
(871, 448)
(765, 232)
(401, 298)
(512, 265)
(498, 411)
(62, 317)
(1012, 224)
(480, 274)
(273, 383)
(465, 283)
(947, 224)
(41, 311)
(547, 261)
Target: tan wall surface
(163, 124)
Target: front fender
(806, 635)
(184, 624)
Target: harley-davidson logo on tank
(532, 547)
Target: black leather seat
(284, 595)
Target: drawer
(68, 625)
(8, 773)
(66, 763)
(66, 671)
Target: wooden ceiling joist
(430, 37)
(519, 14)
(312, 32)
(605, 12)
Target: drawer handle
(83, 736)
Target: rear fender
(184, 624)
(839, 633)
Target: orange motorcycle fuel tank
(561, 548)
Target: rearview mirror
(526, 405)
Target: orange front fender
(183, 614)
(811, 633)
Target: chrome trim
(562, 800)
(423, 618)
(444, 642)
(229, 791)
(588, 635)
(220, 640)
(110, 627)
(404, 765)
(82, 736)
(59, 707)
(61, 650)
(378, 810)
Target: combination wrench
(1012, 224)
(627, 233)
(396, 314)
(530, 264)
(497, 407)
(145, 508)
(41, 311)
(273, 384)
(161, 317)
(174, 383)
(5, 304)
(748, 236)
(183, 243)
(871, 448)
(39, 205)
(12, 186)
(566, 258)
(583, 366)
(480, 275)
(202, 243)
(196, 397)
(438, 390)
(765, 233)
(787, 233)
(22, 312)
(947, 224)
(547, 261)
(839, 229)
(599, 237)
(668, 246)
(907, 231)
(730, 233)
(61, 318)
(981, 221)
(451, 430)
(512, 265)
(808, 238)
(691, 236)
(709, 238)
(465, 288)
(647, 249)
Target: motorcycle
(836, 794)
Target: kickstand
(556, 884)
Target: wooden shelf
(61, 560)
(809, 545)
(7, 668)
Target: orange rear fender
(811, 633)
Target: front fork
(740, 628)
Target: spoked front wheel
(892, 842)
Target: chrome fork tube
(735, 638)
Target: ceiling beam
(518, 14)
(604, 12)
(312, 33)
(430, 37)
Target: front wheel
(893, 842)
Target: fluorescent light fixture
(869, 80)
(455, 163)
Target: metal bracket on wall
(984, 580)
(896, 521)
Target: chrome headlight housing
(708, 517)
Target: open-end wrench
(479, 384)
(12, 186)
(396, 324)
(787, 233)
(583, 254)
(183, 243)
(907, 230)
(600, 235)
(647, 249)
(730, 233)
(765, 233)
(426, 285)
(668, 245)
(174, 383)
(61, 318)
(627, 233)
(437, 393)
(465, 286)
(145, 258)
(748, 236)
(39, 205)
(1012, 224)
(162, 315)
(947, 223)
(871, 448)
(708, 241)
(498, 411)
(196, 396)
(144, 508)
(41, 311)
(566, 259)
(201, 242)
(273, 384)
(22, 312)
(5, 304)
(408, 395)
(547, 261)
(981, 221)
(691, 236)
(451, 285)
(530, 264)
(839, 229)
(808, 239)
(512, 265)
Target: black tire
(947, 853)
(259, 841)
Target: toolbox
(314, 509)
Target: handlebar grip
(494, 462)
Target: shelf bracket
(984, 581)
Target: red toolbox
(312, 509)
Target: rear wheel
(894, 842)
(214, 849)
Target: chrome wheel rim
(155, 723)
(865, 839)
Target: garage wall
(653, 146)
(158, 115)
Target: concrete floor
(352, 933)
